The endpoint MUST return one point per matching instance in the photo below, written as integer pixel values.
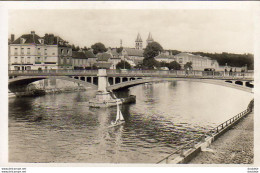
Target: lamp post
(124, 62)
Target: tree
(150, 63)
(77, 48)
(174, 65)
(123, 65)
(98, 48)
(118, 50)
(164, 64)
(175, 52)
(188, 66)
(152, 50)
(73, 47)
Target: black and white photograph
(153, 85)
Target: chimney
(51, 39)
(33, 33)
(58, 40)
(46, 38)
(12, 38)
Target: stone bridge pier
(103, 97)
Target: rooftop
(89, 54)
(28, 39)
(134, 52)
(163, 56)
(103, 56)
(78, 55)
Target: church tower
(138, 42)
(149, 39)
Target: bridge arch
(139, 81)
(23, 81)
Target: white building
(31, 52)
(198, 62)
(165, 58)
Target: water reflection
(61, 128)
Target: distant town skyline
(185, 30)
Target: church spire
(138, 39)
(149, 39)
(139, 42)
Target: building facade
(164, 58)
(79, 60)
(198, 62)
(103, 61)
(31, 52)
(115, 57)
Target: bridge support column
(91, 80)
(114, 81)
(102, 80)
(103, 98)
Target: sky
(185, 30)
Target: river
(61, 128)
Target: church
(135, 55)
(139, 41)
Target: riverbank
(236, 146)
(45, 91)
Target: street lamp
(124, 62)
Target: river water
(61, 128)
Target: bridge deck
(246, 76)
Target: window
(28, 60)
(53, 53)
(22, 51)
(22, 60)
(45, 58)
(61, 51)
(45, 51)
(39, 51)
(37, 60)
(15, 51)
(28, 51)
(68, 52)
(15, 60)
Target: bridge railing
(211, 132)
(52, 71)
(166, 73)
(187, 73)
